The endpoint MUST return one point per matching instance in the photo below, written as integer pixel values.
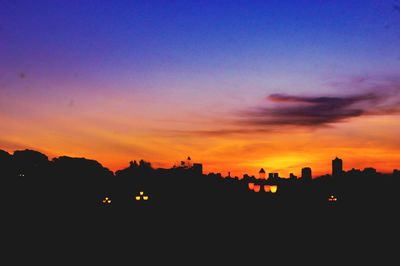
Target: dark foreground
(206, 232)
(75, 211)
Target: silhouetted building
(272, 176)
(354, 171)
(198, 168)
(306, 173)
(66, 182)
(369, 170)
(337, 167)
(261, 173)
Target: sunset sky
(236, 85)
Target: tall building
(273, 176)
(337, 167)
(306, 173)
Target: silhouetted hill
(4, 155)
(79, 168)
(5, 161)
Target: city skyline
(305, 172)
(29, 173)
(237, 85)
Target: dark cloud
(317, 111)
(365, 96)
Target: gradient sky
(237, 85)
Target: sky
(236, 85)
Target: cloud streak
(319, 110)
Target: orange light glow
(332, 198)
(257, 188)
(267, 188)
(251, 186)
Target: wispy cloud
(322, 110)
(352, 98)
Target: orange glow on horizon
(367, 142)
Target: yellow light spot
(273, 189)
(109, 201)
(141, 193)
(137, 197)
(145, 197)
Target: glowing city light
(106, 201)
(251, 186)
(332, 199)
(142, 196)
